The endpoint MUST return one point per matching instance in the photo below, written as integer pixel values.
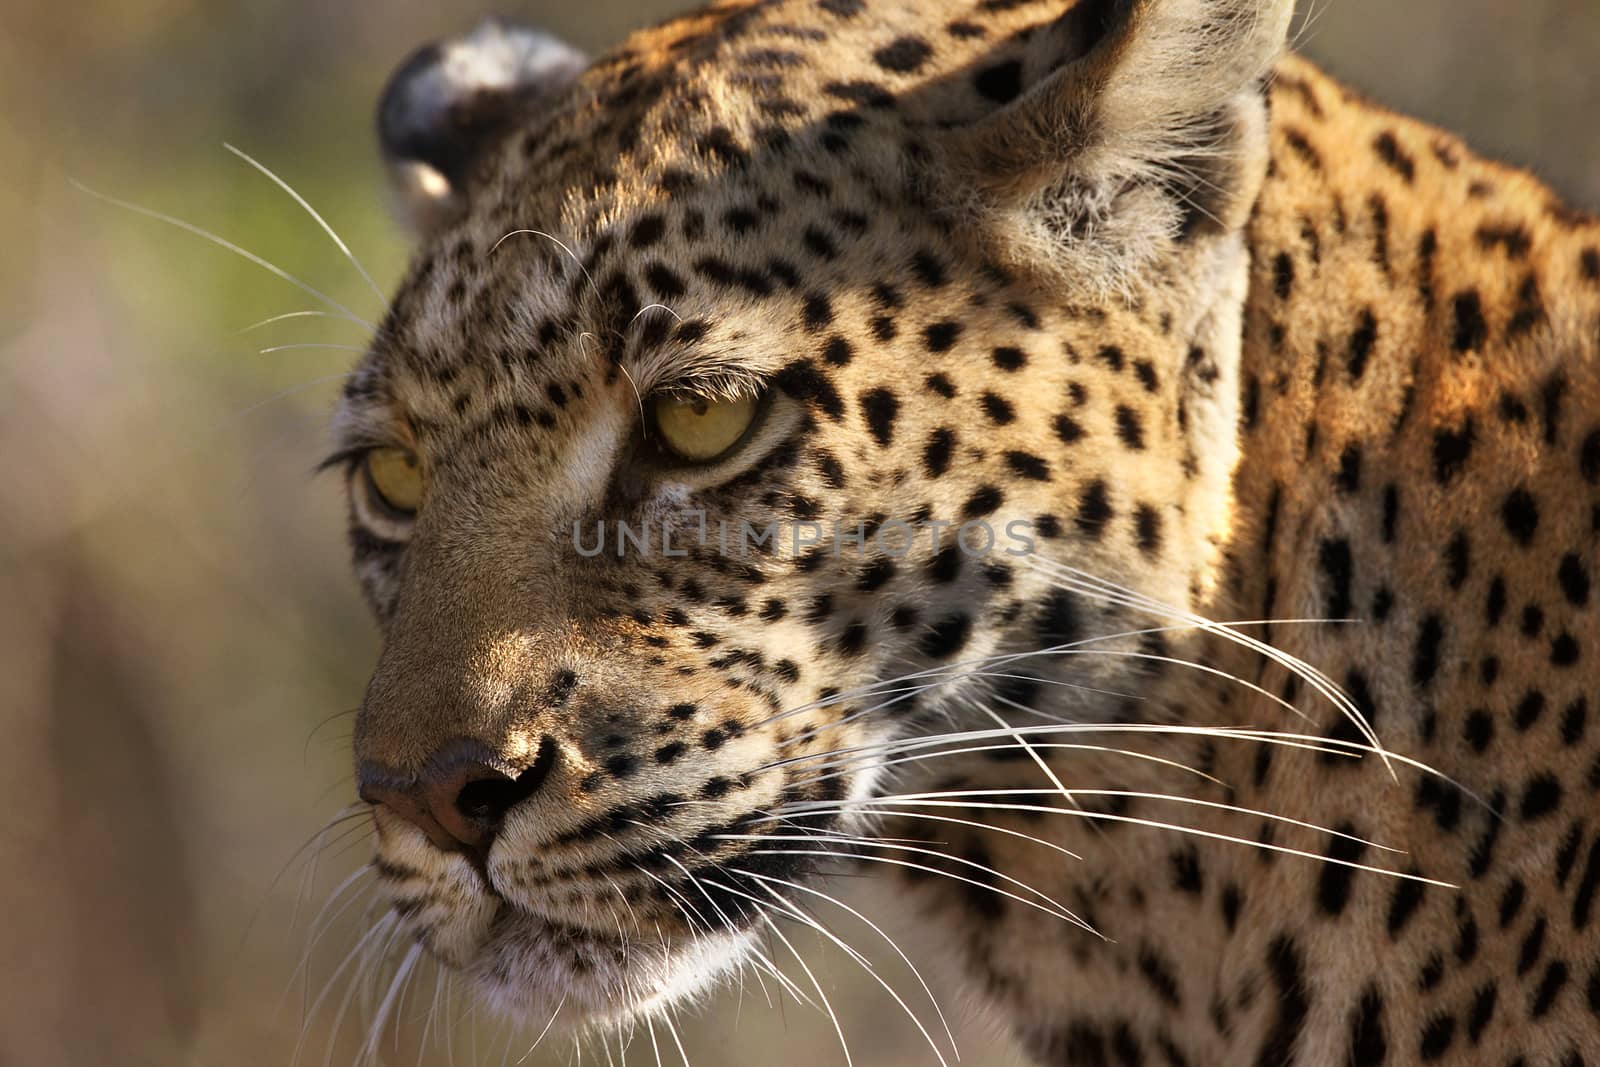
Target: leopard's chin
(549, 976)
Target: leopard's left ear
(452, 102)
(1128, 125)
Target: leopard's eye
(395, 478)
(699, 429)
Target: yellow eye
(395, 478)
(698, 429)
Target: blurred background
(180, 640)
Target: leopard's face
(729, 293)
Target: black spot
(1158, 974)
(1147, 530)
(1008, 359)
(804, 381)
(1583, 897)
(1186, 875)
(1369, 1045)
(1471, 330)
(998, 408)
(938, 383)
(1511, 238)
(1336, 562)
(1479, 730)
(941, 336)
(1333, 886)
(1541, 797)
(1129, 427)
(1451, 448)
(1482, 1012)
(1425, 656)
(1145, 371)
(928, 269)
(1059, 621)
(1283, 275)
(1348, 478)
(1574, 721)
(664, 280)
(1001, 83)
(1293, 1003)
(1574, 579)
(985, 501)
(947, 636)
(842, 8)
(1389, 150)
(1408, 894)
(1550, 986)
(880, 407)
(904, 55)
(945, 565)
(1437, 1036)
(936, 454)
(1520, 512)
(1458, 559)
(1094, 509)
(1068, 429)
(1362, 340)
(647, 231)
(1027, 465)
(818, 313)
(1302, 147)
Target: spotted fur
(1230, 341)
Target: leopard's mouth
(589, 946)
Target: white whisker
(223, 242)
(320, 221)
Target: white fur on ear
(1111, 154)
(451, 102)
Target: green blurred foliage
(180, 642)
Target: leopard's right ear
(452, 102)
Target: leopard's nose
(463, 794)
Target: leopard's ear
(451, 102)
(1135, 124)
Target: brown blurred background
(179, 636)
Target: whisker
(222, 242)
(290, 315)
(893, 802)
(932, 1000)
(303, 345)
(332, 236)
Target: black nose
(460, 798)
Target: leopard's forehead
(711, 194)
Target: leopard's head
(755, 392)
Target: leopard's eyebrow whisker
(223, 242)
(287, 315)
(320, 221)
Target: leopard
(1164, 488)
